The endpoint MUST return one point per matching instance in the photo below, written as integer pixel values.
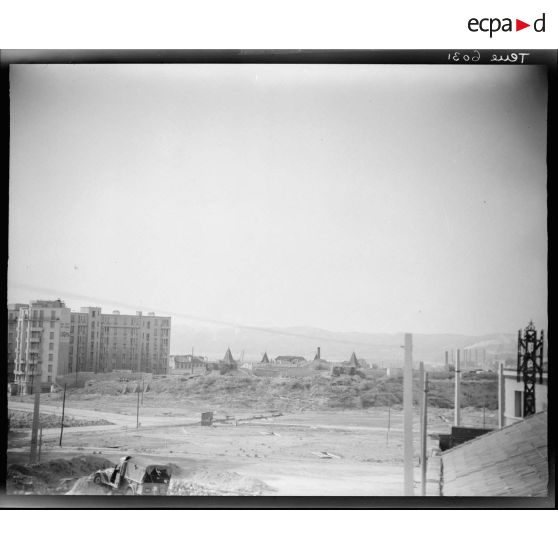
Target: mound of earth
(52, 477)
(212, 483)
(24, 419)
(86, 487)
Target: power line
(200, 319)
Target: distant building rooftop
(512, 461)
(48, 303)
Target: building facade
(47, 338)
(181, 364)
(41, 343)
(513, 396)
(13, 314)
(106, 342)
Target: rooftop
(512, 461)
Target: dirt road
(344, 453)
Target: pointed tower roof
(228, 357)
(265, 360)
(353, 361)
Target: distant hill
(378, 348)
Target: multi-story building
(13, 314)
(41, 342)
(50, 340)
(105, 342)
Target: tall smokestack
(457, 420)
(408, 416)
(319, 354)
(447, 362)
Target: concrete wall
(511, 386)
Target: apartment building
(13, 313)
(47, 338)
(105, 342)
(41, 342)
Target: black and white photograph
(275, 279)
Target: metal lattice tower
(529, 365)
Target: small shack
(207, 418)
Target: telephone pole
(408, 416)
(63, 410)
(501, 395)
(36, 411)
(137, 412)
(457, 403)
(423, 429)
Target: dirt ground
(311, 453)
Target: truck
(135, 476)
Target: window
(51, 346)
(52, 314)
(52, 334)
(49, 368)
(518, 404)
(50, 357)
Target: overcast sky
(352, 198)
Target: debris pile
(52, 477)
(206, 483)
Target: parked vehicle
(135, 476)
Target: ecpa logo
(494, 24)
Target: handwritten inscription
(475, 56)
(513, 57)
(472, 56)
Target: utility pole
(139, 341)
(423, 430)
(457, 403)
(501, 409)
(63, 410)
(137, 412)
(36, 411)
(40, 441)
(408, 416)
(388, 425)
